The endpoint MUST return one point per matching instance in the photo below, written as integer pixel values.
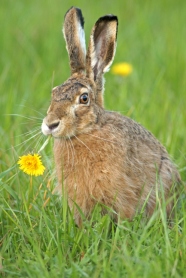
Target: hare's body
(103, 166)
(101, 156)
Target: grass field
(43, 241)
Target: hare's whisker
(83, 144)
(28, 123)
(27, 140)
(66, 144)
(112, 131)
(101, 138)
(28, 133)
(73, 151)
(25, 117)
(38, 142)
(36, 111)
(89, 134)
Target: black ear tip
(108, 17)
(79, 14)
(111, 16)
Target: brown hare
(102, 156)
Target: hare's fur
(102, 156)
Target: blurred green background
(33, 59)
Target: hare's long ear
(74, 35)
(101, 51)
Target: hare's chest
(82, 163)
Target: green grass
(44, 241)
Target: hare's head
(76, 103)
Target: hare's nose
(53, 125)
(47, 129)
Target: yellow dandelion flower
(122, 69)
(31, 164)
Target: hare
(102, 156)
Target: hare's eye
(84, 98)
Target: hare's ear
(101, 50)
(74, 35)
